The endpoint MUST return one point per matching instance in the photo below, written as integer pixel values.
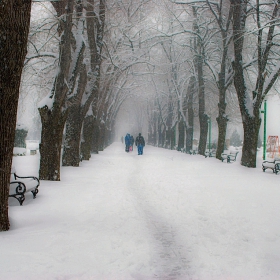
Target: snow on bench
(273, 164)
(20, 185)
(211, 153)
(229, 156)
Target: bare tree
(266, 17)
(55, 108)
(89, 81)
(224, 76)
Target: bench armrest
(19, 187)
(27, 177)
(266, 161)
(277, 168)
(23, 184)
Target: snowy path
(168, 260)
(164, 215)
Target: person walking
(127, 142)
(131, 142)
(140, 143)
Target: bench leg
(35, 193)
(19, 197)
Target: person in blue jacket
(127, 142)
(140, 143)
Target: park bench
(274, 165)
(193, 152)
(230, 157)
(277, 168)
(211, 153)
(20, 185)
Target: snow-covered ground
(163, 215)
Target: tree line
(184, 61)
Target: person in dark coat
(127, 142)
(131, 142)
(140, 143)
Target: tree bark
(154, 129)
(71, 147)
(250, 113)
(14, 29)
(87, 138)
(74, 124)
(190, 113)
(101, 138)
(181, 136)
(51, 144)
(224, 23)
(95, 138)
(53, 118)
(222, 129)
(95, 30)
(251, 127)
(203, 118)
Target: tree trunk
(173, 138)
(223, 22)
(181, 136)
(150, 133)
(167, 144)
(95, 138)
(222, 128)
(53, 118)
(189, 105)
(251, 127)
(250, 103)
(107, 137)
(87, 138)
(154, 136)
(71, 147)
(203, 134)
(189, 139)
(250, 113)
(222, 119)
(203, 118)
(51, 144)
(161, 135)
(101, 138)
(160, 140)
(74, 123)
(71, 155)
(14, 29)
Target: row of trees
(194, 60)
(213, 49)
(85, 96)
